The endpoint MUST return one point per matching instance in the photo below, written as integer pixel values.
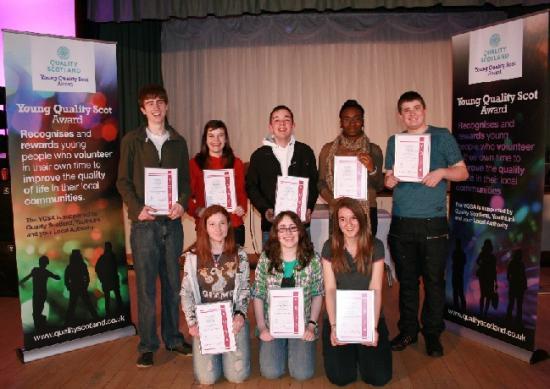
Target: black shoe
(145, 360)
(183, 349)
(433, 346)
(401, 341)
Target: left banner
(61, 103)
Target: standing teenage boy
(156, 241)
(418, 237)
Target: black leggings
(342, 362)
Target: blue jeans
(234, 365)
(156, 248)
(299, 354)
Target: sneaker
(145, 360)
(401, 341)
(182, 349)
(433, 346)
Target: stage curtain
(237, 69)
(138, 63)
(132, 10)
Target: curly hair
(364, 253)
(304, 251)
(203, 247)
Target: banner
(500, 116)
(63, 148)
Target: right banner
(500, 118)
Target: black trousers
(419, 248)
(342, 362)
(239, 235)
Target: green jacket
(136, 153)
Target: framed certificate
(216, 327)
(292, 194)
(350, 178)
(286, 313)
(161, 189)
(412, 157)
(355, 316)
(219, 188)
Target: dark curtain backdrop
(138, 62)
(132, 10)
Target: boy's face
(281, 126)
(413, 115)
(154, 109)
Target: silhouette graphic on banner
(40, 277)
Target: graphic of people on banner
(500, 81)
(63, 148)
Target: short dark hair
(152, 91)
(410, 96)
(279, 108)
(351, 104)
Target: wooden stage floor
(466, 364)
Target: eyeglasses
(282, 230)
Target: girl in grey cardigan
(217, 270)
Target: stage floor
(112, 365)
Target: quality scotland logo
(63, 52)
(494, 40)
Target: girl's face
(216, 227)
(288, 233)
(351, 122)
(215, 141)
(348, 223)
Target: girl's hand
(309, 333)
(333, 339)
(194, 330)
(239, 211)
(238, 323)
(374, 343)
(265, 335)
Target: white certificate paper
(355, 316)
(350, 178)
(216, 327)
(412, 157)
(292, 194)
(219, 188)
(161, 189)
(286, 313)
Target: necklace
(216, 259)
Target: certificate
(355, 316)
(286, 313)
(412, 157)
(216, 327)
(292, 194)
(219, 188)
(350, 178)
(161, 189)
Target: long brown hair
(364, 253)
(203, 156)
(304, 251)
(203, 247)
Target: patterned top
(191, 292)
(309, 278)
(217, 283)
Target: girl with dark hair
(217, 270)
(353, 141)
(288, 261)
(216, 153)
(354, 260)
